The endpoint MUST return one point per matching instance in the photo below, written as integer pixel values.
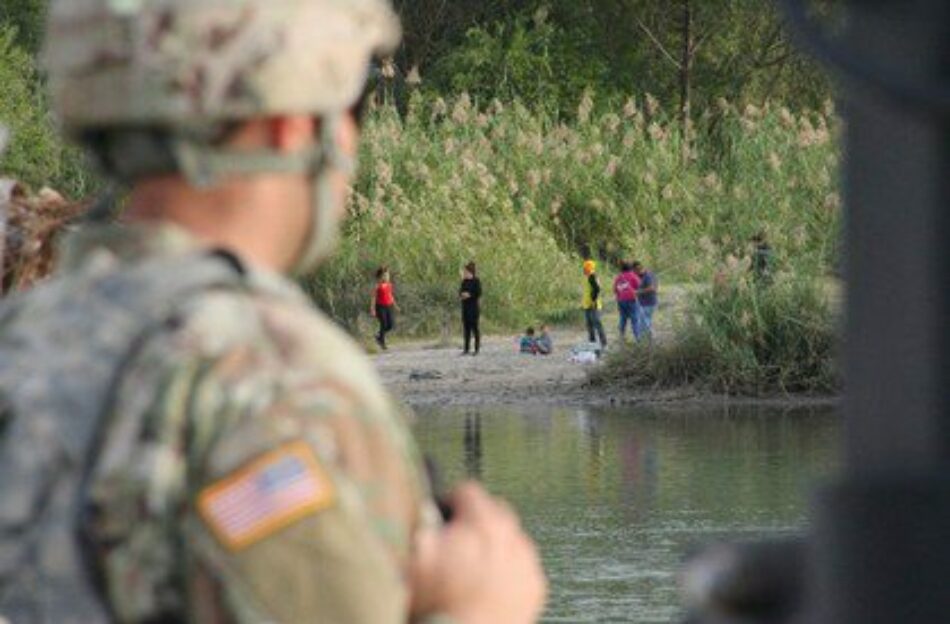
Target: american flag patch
(273, 492)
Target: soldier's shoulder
(271, 313)
(275, 332)
(254, 359)
(256, 326)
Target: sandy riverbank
(426, 373)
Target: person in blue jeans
(647, 299)
(626, 287)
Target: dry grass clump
(30, 225)
(740, 338)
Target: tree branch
(778, 60)
(703, 38)
(658, 44)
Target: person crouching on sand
(544, 343)
(528, 343)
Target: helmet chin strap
(204, 166)
(325, 212)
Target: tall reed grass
(526, 196)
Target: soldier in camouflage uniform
(183, 437)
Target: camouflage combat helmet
(183, 69)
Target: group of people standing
(635, 290)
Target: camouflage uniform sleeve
(302, 512)
(261, 491)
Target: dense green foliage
(740, 338)
(36, 155)
(26, 18)
(547, 52)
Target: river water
(616, 499)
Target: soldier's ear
(291, 133)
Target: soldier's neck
(261, 219)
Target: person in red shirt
(625, 289)
(384, 306)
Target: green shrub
(36, 155)
(28, 17)
(741, 338)
(529, 59)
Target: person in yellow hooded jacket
(593, 304)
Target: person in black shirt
(470, 294)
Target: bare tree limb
(703, 38)
(658, 44)
(778, 60)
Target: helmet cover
(184, 64)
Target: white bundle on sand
(586, 353)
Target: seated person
(528, 343)
(544, 344)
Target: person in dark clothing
(647, 300)
(762, 260)
(384, 306)
(528, 343)
(544, 342)
(470, 293)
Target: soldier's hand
(481, 568)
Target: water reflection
(473, 446)
(595, 444)
(639, 462)
(616, 499)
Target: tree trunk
(686, 68)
